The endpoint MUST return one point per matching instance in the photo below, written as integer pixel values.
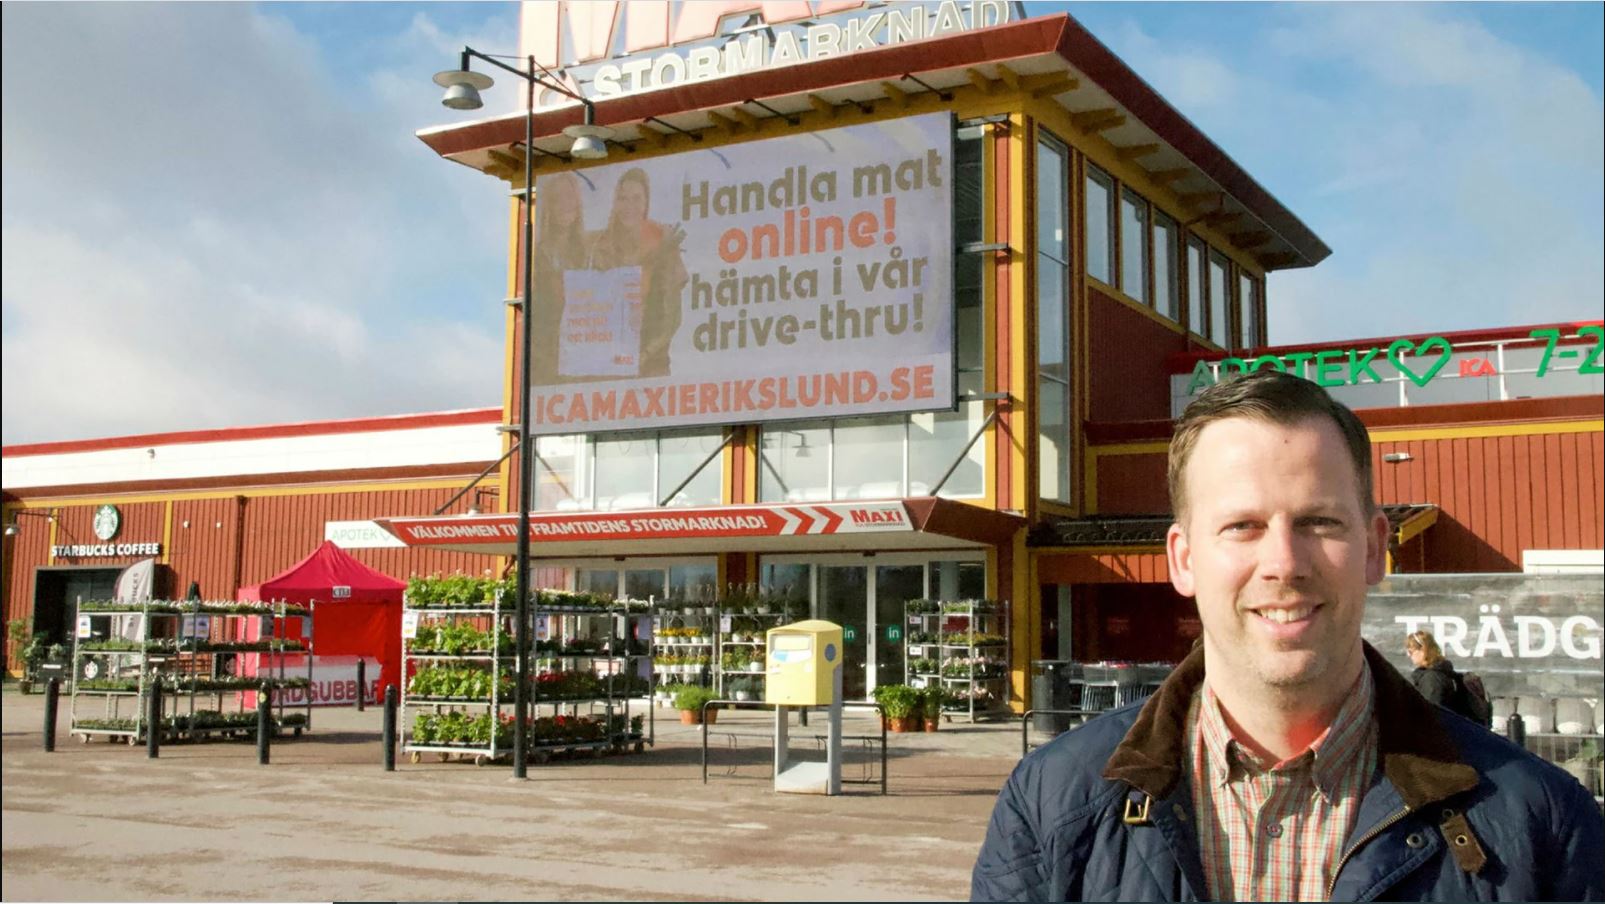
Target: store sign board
(359, 535)
(666, 524)
(104, 550)
(607, 48)
(1420, 362)
(802, 276)
(1540, 635)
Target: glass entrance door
(894, 586)
(844, 599)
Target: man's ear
(1376, 548)
(1179, 556)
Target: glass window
(1220, 301)
(1248, 297)
(794, 464)
(624, 473)
(957, 581)
(602, 583)
(561, 470)
(1054, 439)
(1100, 225)
(1134, 246)
(1195, 287)
(934, 441)
(643, 583)
(868, 458)
(678, 455)
(1167, 294)
(694, 582)
(1053, 303)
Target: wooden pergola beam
(1247, 240)
(505, 160)
(1136, 151)
(1051, 85)
(980, 80)
(1094, 121)
(1194, 199)
(1276, 260)
(1167, 176)
(1009, 77)
(727, 123)
(895, 94)
(821, 106)
(747, 119)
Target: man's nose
(1282, 553)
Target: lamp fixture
(462, 93)
(475, 508)
(13, 528)
(1394, 458)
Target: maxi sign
(800, 276)
(607, 48)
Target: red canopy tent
(358, 615)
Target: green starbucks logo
(107, 522)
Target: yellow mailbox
(803, 661)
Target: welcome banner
(802, 276)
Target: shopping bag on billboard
(601, 327)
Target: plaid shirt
(1275, 831)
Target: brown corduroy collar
(1416, 754)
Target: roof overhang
(1039, 54)
(1146, 533)
(886, 525)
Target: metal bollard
(390, 728)
(1516, 730)
(153, 720)
(264, 726)
(362, 683)
(52, 698)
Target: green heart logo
(1417, 350)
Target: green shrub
(693, 697)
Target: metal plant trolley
(964, 646)
(119, 651)
(459, 662)
(591, 654)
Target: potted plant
(931, 702)
(900, 704)
(31, 649)
(689, 700)
(743, 688)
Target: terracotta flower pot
(693, 717)
(902, 724)
(933, 724)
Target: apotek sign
(803, 276)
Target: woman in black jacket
(1434, 676)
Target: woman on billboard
(630, 239)
(561, 244)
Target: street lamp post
(462, 93)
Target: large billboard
(802, 276)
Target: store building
(897, 303)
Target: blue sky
(217, 214)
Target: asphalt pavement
(323, 821)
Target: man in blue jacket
(1285, 759)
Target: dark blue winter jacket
(1454, 813)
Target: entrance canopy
(921, 523)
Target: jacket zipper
(1361, 843)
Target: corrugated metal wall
(1499, 495)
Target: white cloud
(206, 225)
(1457, 175)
